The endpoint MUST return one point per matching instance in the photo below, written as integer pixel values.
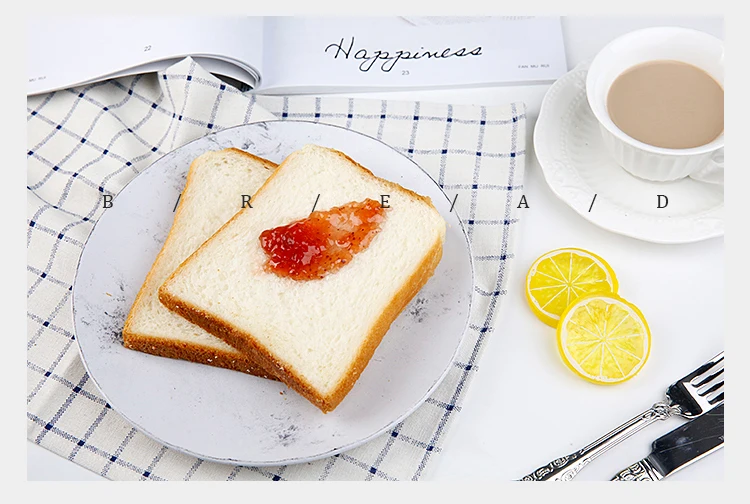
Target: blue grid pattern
(89, 141)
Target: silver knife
(686, 444)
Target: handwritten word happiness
(389, 59)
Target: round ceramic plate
(232, 417)
(579, 170)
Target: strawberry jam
(322, 243)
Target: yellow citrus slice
(561, 276)
(603, 339)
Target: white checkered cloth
(92, 140)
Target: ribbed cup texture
(649, 165)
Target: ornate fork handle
(566, 468)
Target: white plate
(576, 166)
(231, 417)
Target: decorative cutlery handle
(566, 468)
(640, 471)
(561, 469)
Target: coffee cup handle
(713, 171)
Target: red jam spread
(322, 243)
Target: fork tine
(718, 391)
(719, 399)
(708, 380)
(718, 357)
(714, 387)
(707, 377)
(707, 372)
(713, 361)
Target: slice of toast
(317, 335)
(213, 193)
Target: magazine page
(305, 54)
(70, 51)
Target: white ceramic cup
(706, 162)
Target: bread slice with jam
(311, 294)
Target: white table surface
(524, 408)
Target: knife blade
(686, 444)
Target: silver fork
(688, 397)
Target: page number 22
(146, 48)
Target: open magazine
(299, 54)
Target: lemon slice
(604, 339)
(561, 276)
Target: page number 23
(404, 72)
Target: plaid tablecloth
(90, 141)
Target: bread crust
(173, 349)
(249, 345)
(180, 350)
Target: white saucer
(576, 166)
